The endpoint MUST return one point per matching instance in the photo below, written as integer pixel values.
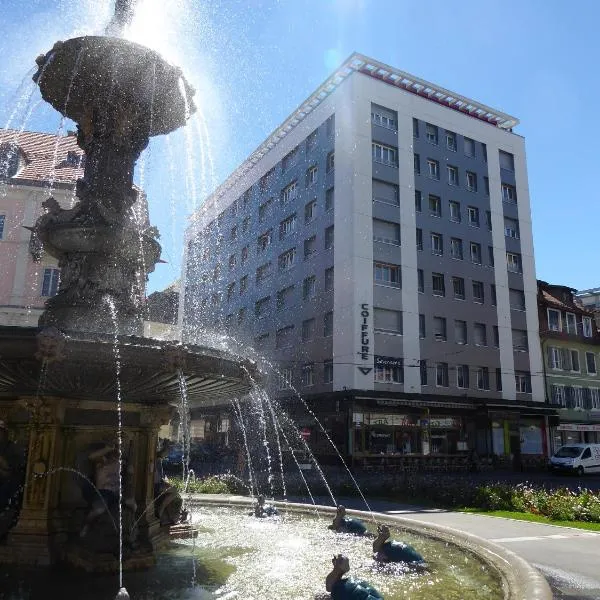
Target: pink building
(33, 166)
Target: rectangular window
(241, 316)
(386, 232)
(308, 374)
(330, 126)
(419, 239)
(516, 299)
(423, 371)
(329, 237)
(290, 159)
(483, 378)
(310, 211)
(460, 332)
(233, 233)
(329, 199)
(458, 286)
(384, 117)
(479, 334)
(475, 253)
(493, 294)
(513, 262)
(289, 192)
(387, 321)
(387, 155)
(509, 194)
(385, 192)
(488, 219)
(310, 246)
(232, 262)
(486, 185)
(308, 329)
(435, 206)
(511, 228)
(469, 147)
(415, 128)
(523, 382)
(328, 371)
(462, 376)
(387, 274)
(264, 240)
(264, 210)
(50, 282)
(491, 256)
(286, 376)
(388, 370)
(284, 297)
(422, 327)
(329, 279)
(496, 334)
(418, 201)
(265, 180)
(473, 216)
(330, 162)
(507, 160)
(420, 280)
(328, 324)
(441, 374)
(431, 133)
(230, 290)
(437, 244)
(417, 164)
(263, 272)
(451, 141)
(439, 329)
(284, 336)
(575, 360)
(471, 181)
(571, 323)
(455, 211)
(587, 326)
(498, 379)
(484, 151)
(554, 357)
(261, 307)
(287, 226)
(438, 284)
(478, 292)
(557, 394)
(2, 223)
(433, 168)
(311, 175)
(287, 259)
(244, 284)
(309, 287)
(456, 248)
(520, 340)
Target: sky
(253, 61)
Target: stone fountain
(66, 385)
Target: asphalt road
(569, 558)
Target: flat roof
(363, 64)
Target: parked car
(576, 458)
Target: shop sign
(390, 419)
(365, 342)
(577, 427)
(388, 361)
(443, 422)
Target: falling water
(184, 425)
(117, 353)
(22, 96)
(257, 401)
(190, 179)
(276, 427)
(238, 412)
(43, 375)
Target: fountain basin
(86, 71)
(85, 368)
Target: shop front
(575, 433)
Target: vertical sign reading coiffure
(365, 342)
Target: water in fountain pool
(239, 556)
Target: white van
(577, 458)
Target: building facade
(377, 247)
(33, 166)
(571, 346)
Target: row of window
(308, 374)
(567, 359)
(570, 323)
(438, 287)
(575, 397)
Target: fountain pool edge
(520, 580)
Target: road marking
(534, 538)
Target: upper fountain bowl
(88, 73)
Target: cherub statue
(343, 524)
(392, 551)
(168, 501)
(348, 588)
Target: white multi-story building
(378, 247)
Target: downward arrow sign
(365, 370)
